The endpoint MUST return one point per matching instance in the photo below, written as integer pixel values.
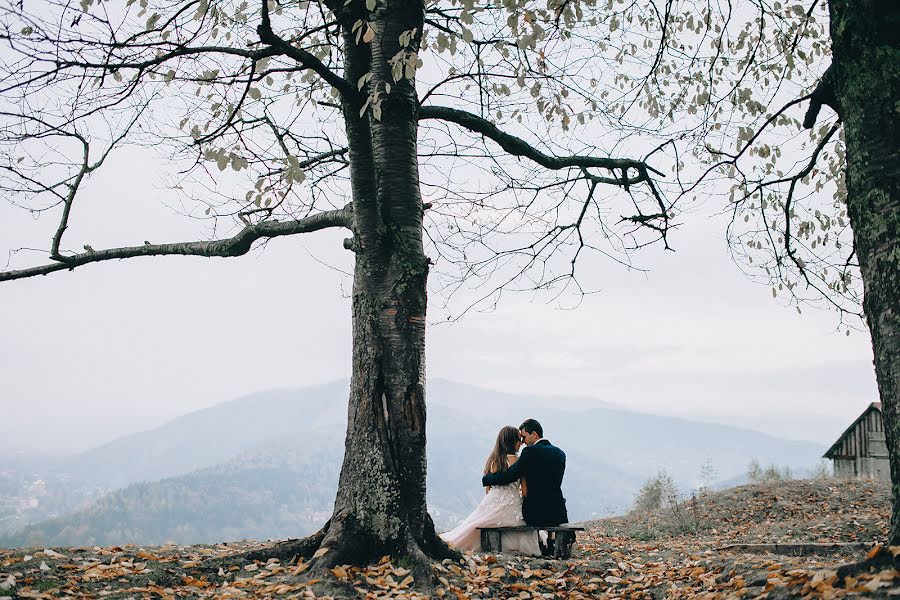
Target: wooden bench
(559, 539)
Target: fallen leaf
(876, 549)
(340, 572)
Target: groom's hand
(518, 469)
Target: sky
(120, 347)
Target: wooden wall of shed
(875, 468)
(860, 441)
(863, 468)
(844, 468)
(862, 452)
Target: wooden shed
(861, 451)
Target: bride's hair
(505, 444)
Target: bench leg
(491, 541)
(563, 542)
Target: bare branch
(237, 245)
(267, 36)
(519, 147)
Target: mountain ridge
(226, 448)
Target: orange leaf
(875, 551)
(340, 572)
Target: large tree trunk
(381, 505)
(866, 48)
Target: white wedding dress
(500, 507)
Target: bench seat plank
(534, 528)
(560, 538)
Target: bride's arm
(511, 460)
(514, 472)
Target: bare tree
(539, 133)
(818, 216)
(293, 117)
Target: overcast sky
(118, 347)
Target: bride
(501, 505)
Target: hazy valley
(266, 466)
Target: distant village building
(861, 451)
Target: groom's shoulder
(546, 445)
(553, 448)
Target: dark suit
(543, 466)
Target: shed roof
(834, 446)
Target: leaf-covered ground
(678, 552)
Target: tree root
(285, 551)
(876, 561)
(288, 550)
(342, 542)
(345, 544)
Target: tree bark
(381, 505)
(866, 77)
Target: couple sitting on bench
(522, 491)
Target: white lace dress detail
(500, 507)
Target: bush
(756, 473)
(658, 492)
(708, 476)
(664, 511)
(822, 471)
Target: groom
(542, 465)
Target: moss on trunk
(866, 48)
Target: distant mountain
(286, 487)
(210, 436)
(266, 465)
(273, 492)
(27, 496)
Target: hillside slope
(818, 511)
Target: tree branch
(268, 36)
(823, 94)
(237, 245)
(519, 147)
